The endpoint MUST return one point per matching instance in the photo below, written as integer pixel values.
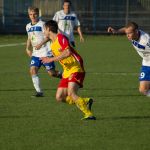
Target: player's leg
(62, 92)
(79, 78)
(69, 95)
(34, 67)
(79, 101)
(144, 87)
(67, 92)
(144, 78)
(50, 67)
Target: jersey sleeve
(55, 18)
(63, 41)
(27, 30)
(42, 26)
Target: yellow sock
(69, 100)
(86, 100)
(81, 104)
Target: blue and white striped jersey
(36, 35)
(142, 46)
(66, 23)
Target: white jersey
(142, 46)
(36, 35)
(66, 23)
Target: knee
(33, 71)
(52, 73)
(59, 98)
(72, 95)
(143, 90)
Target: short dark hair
(133, 25)
(52, 26)
(67, 1)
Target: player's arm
(66, 53)
(56, 17)
(28, 47)
(77, 24)
(42, 43)
(80, 34)
(112, 30)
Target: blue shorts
(145, 73)
(35, 61)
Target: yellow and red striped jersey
(71, 64)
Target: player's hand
(111, 30)
(29, 53)
(37, 47)
(81, 39)
(47, 59)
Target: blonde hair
(133, 25)
(35, 9)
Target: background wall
(95, 15)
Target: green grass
(123, 115)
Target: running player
(73, 70)
(67, 20)
(141, 42)
(35, 31)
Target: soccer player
(141, 42)
(67, 20)
(35, 31)
(73, 70)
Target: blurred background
(95, 15)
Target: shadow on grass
(84, 89)
(15, 117)
(100, 94)
(9, 90)
(119, 95)
(98, 118)
(109, 89)
(125, 118)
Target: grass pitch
(123, 115)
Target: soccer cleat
(38, 94)
(89, 118)
(89, 104)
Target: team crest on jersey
(36, 28)
(69, 18)
(33, 37)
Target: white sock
(36, 83)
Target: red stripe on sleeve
(63, 41)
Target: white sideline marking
(114, 73)
(90, 73)
(14, 44)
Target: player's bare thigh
(72, 90)
(61, 94)
(144, 87)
